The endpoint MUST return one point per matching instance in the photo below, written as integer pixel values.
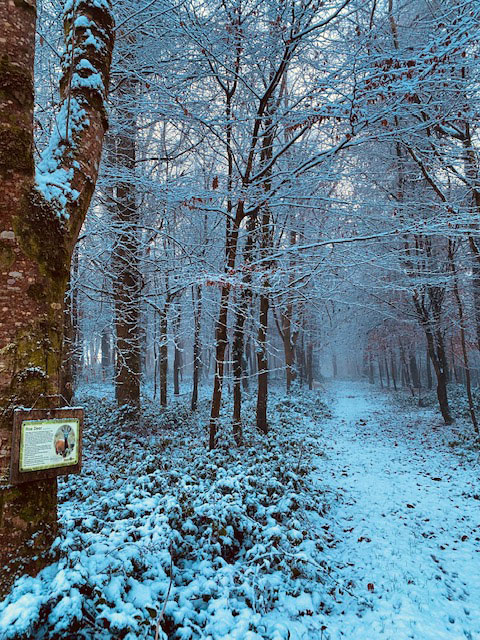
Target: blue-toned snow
(400, 545)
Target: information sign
(46, 443)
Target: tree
(41, 214)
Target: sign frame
(22, 415)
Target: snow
(363, 525)
(406, 523)
(53, 180)
(55, 170)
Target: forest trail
(407, 522)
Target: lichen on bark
(43, 237)
(36, 243)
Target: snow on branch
(68, 167)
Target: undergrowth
(228, 530)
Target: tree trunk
(334, 365)
(265, 246)
(476, 296)
(371, 373)
(310, 365)
(300, 357)
(245, 300)
(177, 354)
(126, 259)
(453, 369)
(197, 314)
(394, 371)
(163, 350)
(386, 368)
(37, 238)
(429, 371)
(221, 327)
(262, 363)
(441, 374)
(68, 346)
(106, 354)
(461, 318)
(436, 353)
(415, 377)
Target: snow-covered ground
(364, 525)
(407, 523)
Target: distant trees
(284, 182)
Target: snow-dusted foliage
(230, 528)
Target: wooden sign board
(46, 443)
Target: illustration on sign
(47, 444)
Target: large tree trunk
(245, 299)
(221, 328)
(265, 247)
(39, 225)
(441, 373)
(436, 352)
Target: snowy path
(408, 523)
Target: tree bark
(106, 354)
(461, 317)
(262, 363)
(221, 328)
(266, 239)
(39, 226)
(380, 376)
(415, 377)
(387, 374)
(429, 371)
(177, 353)
(436, 351)
(310, 365)
(163, 353)
(394, 371)
(334, 365)
(126, 257)
(244, 302)
(197, 314)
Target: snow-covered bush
(229, 528)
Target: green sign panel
(49, 444)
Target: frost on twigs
(70, 160)
(232, 526)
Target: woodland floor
(408, 523)
(356, 522)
